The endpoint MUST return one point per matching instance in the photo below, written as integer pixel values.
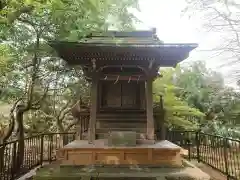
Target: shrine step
(106, 130)
(121, 119)
(121, 114)
(120, 124)
(130, 172)
(129, 121)
(104, 135)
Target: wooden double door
(121, 95)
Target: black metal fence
(37, 149)
(222, 154)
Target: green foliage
(204, 89)
(197, 84)
(196, 97)
(82, 17)
(5, 58)
(30, 67)
(178, 113)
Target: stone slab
(101, 143)
(162, 153)
(133, 172)
(122, 139)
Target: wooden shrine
(121, 67)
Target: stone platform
(79, 152)
(56, 172)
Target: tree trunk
(20, 136)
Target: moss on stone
(58, 172)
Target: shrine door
(122, 95)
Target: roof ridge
(124, 34)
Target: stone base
(163, 153)
(146, 141)
(130, 172)
(122, 138)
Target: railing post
(50, 149)
(189, 148)
(225, 144)
(197, 138)
(65, 139)
(14, 160)
(2, 164)
(42, 149)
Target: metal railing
(222, 154)
(37, 149)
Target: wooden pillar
(93, 110)
(162, 120)
(78, 130)
(149, 109)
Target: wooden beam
(93, 109)
(126, 78)
(149, 109)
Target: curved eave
(81, 53)
(61, 44)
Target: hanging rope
(94, 64)
(129, 79)
(116, 80)
(138, 78)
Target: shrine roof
(115, 38)
(115, 46)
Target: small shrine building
(121, 67)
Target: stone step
(122, 138)
(141, 136)
(121, 115)
(140, 139)
(125, 120)
(104, 135)
(113, 124)
(136, 129)
(55, 171)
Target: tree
(221, 17)
(26, 26)
(66, 94)
(178, 113)
(198, 85)
(204, 89)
